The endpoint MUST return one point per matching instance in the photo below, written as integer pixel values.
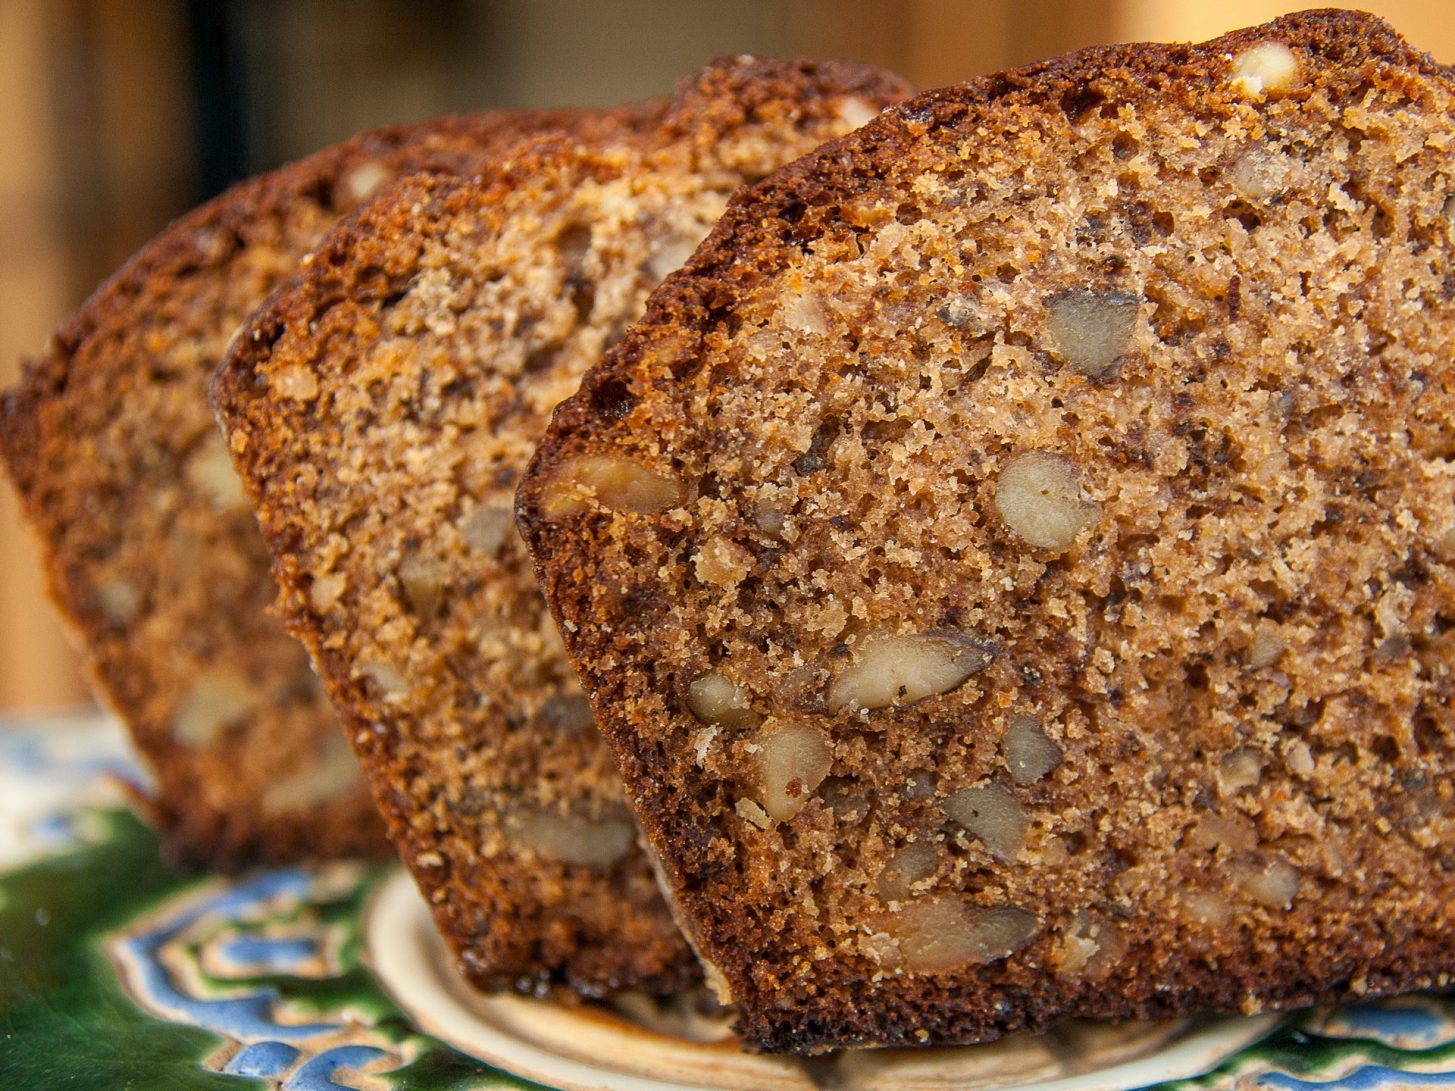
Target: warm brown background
(116, 115)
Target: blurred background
(116, 115)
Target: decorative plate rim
(412, 965)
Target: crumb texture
(381, 410)
(152, 553)
(1056, 614)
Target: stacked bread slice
(1014, 560)
(1011, 566)
(152, 553)
(381, 409)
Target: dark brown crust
(452, 771)
(791, 1001)
(90, 476)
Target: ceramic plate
(115, 972)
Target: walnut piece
(1260, 173)
(1265, 67)
(335, 774)
(671, 253)
(390, 678)
(1029, 752)
(1205, 907)
(488, 528)
(568, 839)
(719, 702)
(119, 601)
(210, 472)
(1091, 331)
(326, 590)
(994, 815)
(945, 933)
(1233, 833)
(1090, 946)
(790, 762)
(750, 812)
(854, 111)
(422, 579)
(567, 714)
(1273, 882)
(1266, 646)
(912, 864)
(217, 700)
(364, 179)
(1299, 759)
(722, 562)
(1239, 769)
(901, 669)
(296, 382)
(614, 483)
(807, 313)
(1039, 498)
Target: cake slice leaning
(380, 410)
(151, 552)
(1014, 561)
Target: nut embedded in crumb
(1445, 543)
(910, 865)
(1091, 331)
(945, 933)
(364, 179)
(1267, 645)
(1261, 173)
(566, 714)
(327, 590)
(1233, 833)
(216, 701)
(1299, 758)
(1240, 769)
(567, 839)
(211, 473)
(719, 702)
(1273, 883)
(790, 762)
(298, 383)
(1029, 752)
(335, 774)
(1090, 946)
(901, 669)
(1205, 907)
(753, 814)
(722, 562)
(1265, 67)
(854, 111)
(488, 528)
(615, 483)
(119, 601)
(1039, 498)
(389, 678)
(422, 579)
(670, 254)
(994, 815)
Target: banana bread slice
(1014, 560)
(152, 554)
(380, 411)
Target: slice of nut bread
(1014, 561)
(151, 551)
(381, 410)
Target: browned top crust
(1014, 561)
(381, 409)
(151, 552)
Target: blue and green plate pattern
(117, 973)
